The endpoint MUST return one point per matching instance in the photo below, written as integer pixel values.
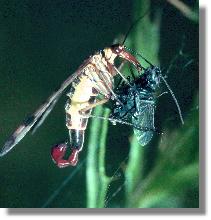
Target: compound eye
(116, 48)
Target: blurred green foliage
(41, 43)
(171, 181)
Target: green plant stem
(91, 171)
(104, 180)
(145, 38)
(185, 10)
(97, 181)
(133, 172)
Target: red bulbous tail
(58, 153)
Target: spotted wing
(143, 121)
(36, 119)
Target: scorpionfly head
(120, 51)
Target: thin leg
(118, 84)
(99, 102)
(114, 121)
(110, 89)
(119, 68)
(102, 75)
(122, 76)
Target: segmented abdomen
(79, 99)
(94, 79)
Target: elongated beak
(127, 56)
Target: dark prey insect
(139, 103)
(93, 78)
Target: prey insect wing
(144, 117)
(139, 102)
(36, 119)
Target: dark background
(41, 44)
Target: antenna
(131, 27)
(147, 61)
(175, 100)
